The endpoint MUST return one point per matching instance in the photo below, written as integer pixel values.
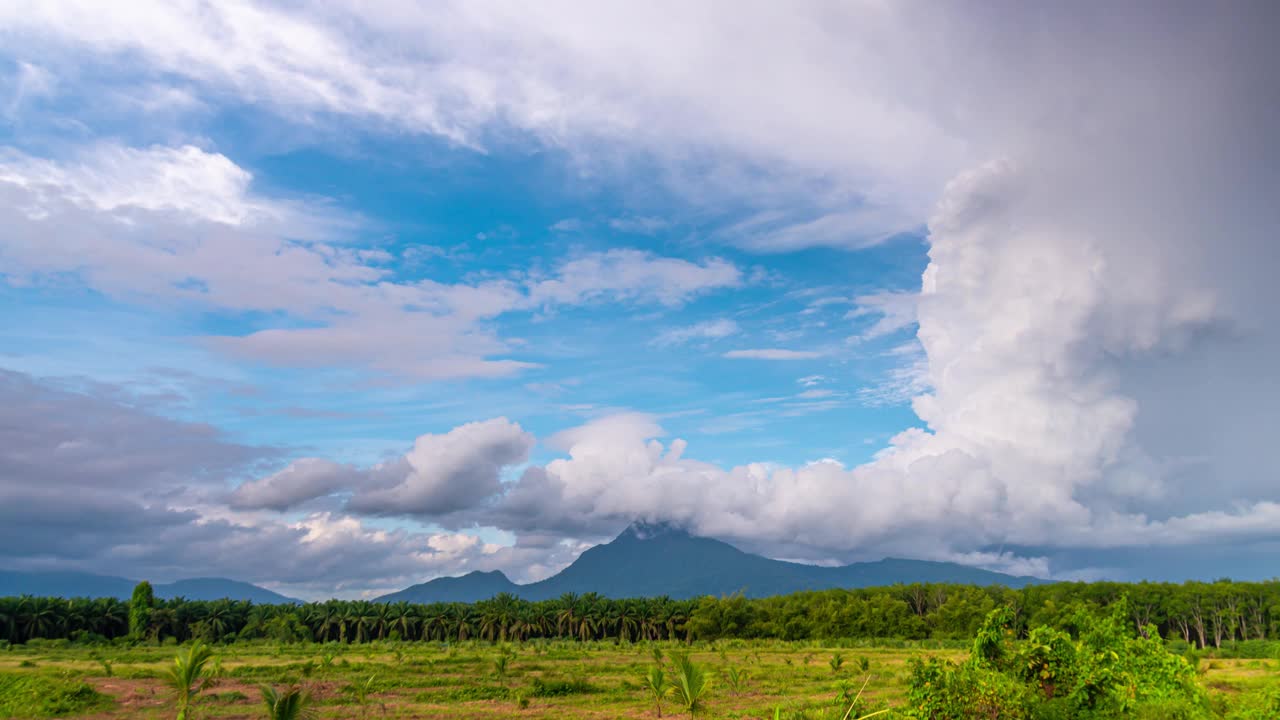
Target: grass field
(553, 680)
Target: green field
(553, 679)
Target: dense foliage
(140, 604)
(1105, 670)
(1203, 614)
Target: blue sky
(453, 215)
(402, 290)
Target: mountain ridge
(650, 559)
(69, 584)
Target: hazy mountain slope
(78, 584)
(649, 560)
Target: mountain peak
(645, 530)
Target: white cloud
(894, 311)
(627, 275)
(568, 225)
(639, 225)
(706, 330)
(445, 473)
(162, 225)
(585, 76)
(773, 354)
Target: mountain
(465, 588)
(661, 559)
(218, 588)
(78, 584)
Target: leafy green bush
(29, 695)
(1104, 672)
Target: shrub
(1105, 673)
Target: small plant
(360, 691)
(864, 664)
(290, 704)
(107, 667)
(186, 677)
(691, 682)
(655, 681)
(736, 679)
(522, 701)
(500, 667)
(836, 662)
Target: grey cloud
(89, 483)
(53, 436)
(450, 472)
(304, 479)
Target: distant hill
(77, 584)
(660, 559)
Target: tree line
(1200, 613)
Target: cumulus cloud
(441, 474)
(448, 472)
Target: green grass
(34, 695)
(549, 680)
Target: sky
(340, 297)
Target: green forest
(1196, 613)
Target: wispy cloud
(772, 354)
(707, 330)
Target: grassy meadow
(550, 679)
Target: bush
(942, 690)
(1106, 672)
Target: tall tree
(140, 605)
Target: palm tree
(435, 620)
(291, 704)
(186, 676)
(404, 618)
(8, 617)
(656, 683)
(626, 619)
(691, 683)
(37, 616)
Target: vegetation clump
(1103, 671)
(29, 695)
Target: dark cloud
(89, 482)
